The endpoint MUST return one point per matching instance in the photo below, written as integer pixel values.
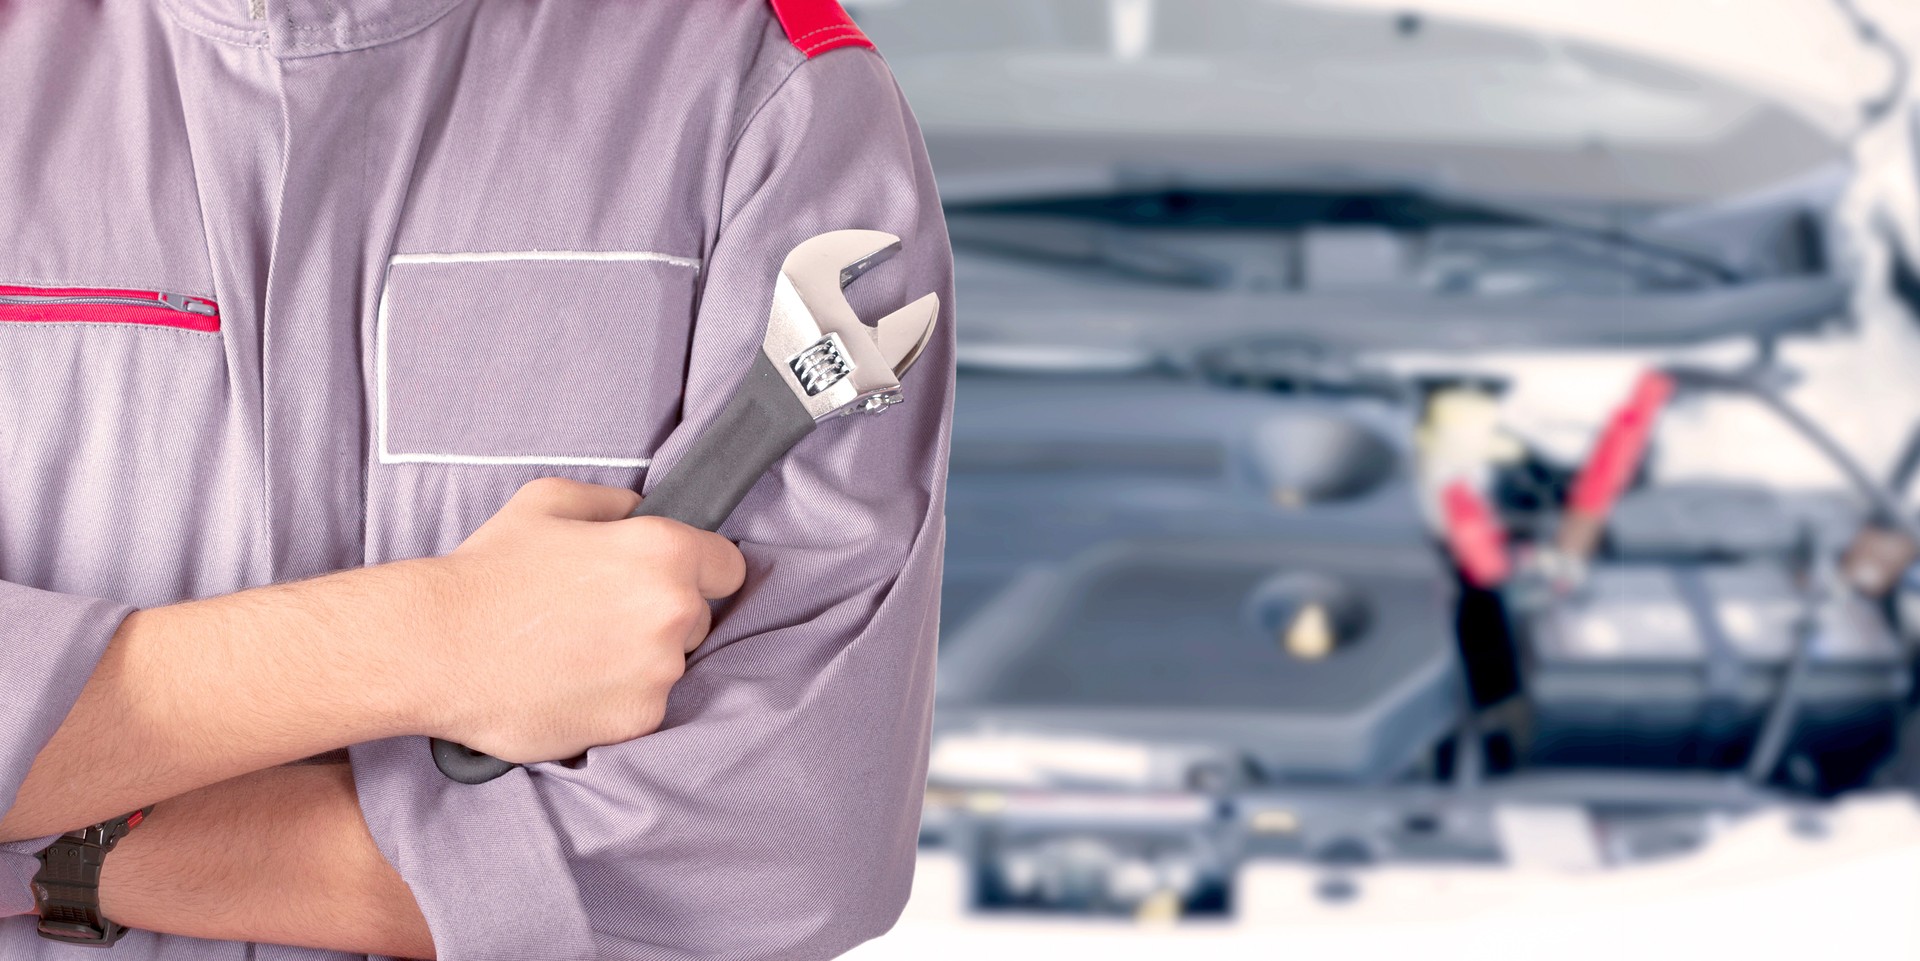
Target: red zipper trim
(161, 314)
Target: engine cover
(1301, 660)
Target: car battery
(1678, 665)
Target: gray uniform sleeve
(776, 813)
(49, 644)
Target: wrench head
(903, 334)
(835, 362)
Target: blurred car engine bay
(1336, 471)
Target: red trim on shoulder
(817, 26)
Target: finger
(574, 500)
(714, 563)
(699, 632)
(722, 567)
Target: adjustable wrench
(818, 360)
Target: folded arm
(558, 625)
(280, 856)
(188, 695)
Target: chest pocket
(118, 477)
(537, 358)
(491, 369)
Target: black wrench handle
(761, 422)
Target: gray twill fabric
(457, 246)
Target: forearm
(196, 693)
(278, 856)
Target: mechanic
(336, 337)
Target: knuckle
(683, 542)
(645, 720)
(682, 612)
(542, 488)
(628, 542)
(668, 540)
(650, 529)
(734, 559)
(653, 679)
(668, 669)
(544, 484)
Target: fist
(564, 622)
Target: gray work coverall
(456, 246)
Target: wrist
(303, 667)
(66, 889)
(414, 620)
(220, 864)
(390, 631)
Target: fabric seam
(201, 26)
(361, 40)
(754, 117)
(849, 35)
(836, 26)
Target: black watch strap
(67, 887)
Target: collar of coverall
(307, 28)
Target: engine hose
(1885, 504)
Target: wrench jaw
(903, 334)
(832, 361)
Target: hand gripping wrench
(818, 361)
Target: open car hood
(1024, 97)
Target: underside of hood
(1049, 96)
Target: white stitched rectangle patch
(564, 358)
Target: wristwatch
(66, 889)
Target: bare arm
(556, 626)
(197, 693)
(278, 856)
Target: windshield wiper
(1087, 246)
(1059, 228)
